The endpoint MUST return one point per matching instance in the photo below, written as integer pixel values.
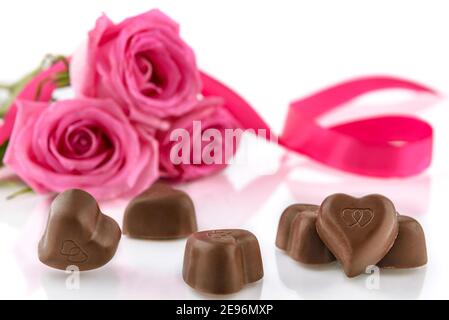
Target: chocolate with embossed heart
(358, 231)
(78, 233)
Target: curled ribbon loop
(387, 146)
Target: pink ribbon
(386, 146)
(29, 93)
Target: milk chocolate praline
(358, 231)
(78, 233)
(297, 235)
(160, 212)
(222, 261)
(409, 249)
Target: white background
(272, 52)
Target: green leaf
(3, 151)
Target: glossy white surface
(272, 52)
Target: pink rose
(208, 114)
(143, 64)
(83, 143)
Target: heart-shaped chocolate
(358, 231)
(222, 261)
(160, 212)
(297, 235)
(409, 248)
(78, 233)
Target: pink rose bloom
(208, 114)
(143, 64)
(82, 143)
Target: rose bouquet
(134, 82)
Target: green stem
(14, 90)
(17, 87)
(6, 86)
(19, 192)
(3, 148)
